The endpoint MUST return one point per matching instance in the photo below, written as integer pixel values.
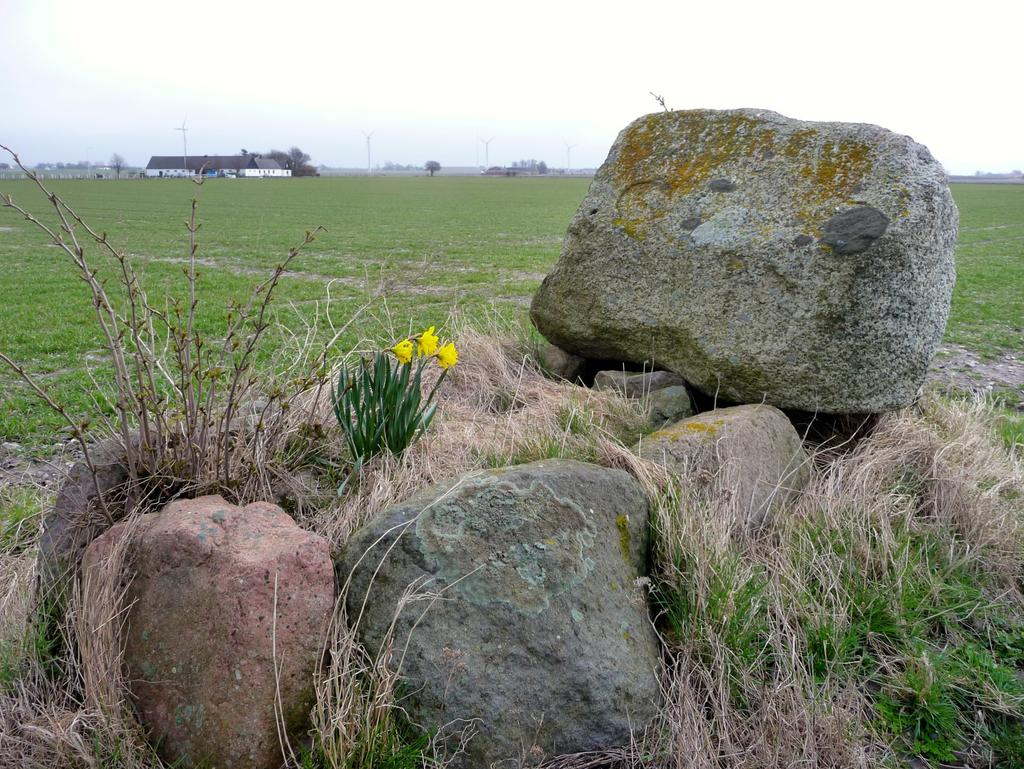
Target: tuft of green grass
(718, 606)
(393, 747)
(41, 646)
(924, 630)
(1011, 430)
(21, 508)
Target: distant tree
(299, 161)
(542, 167)
(528, 164)
(117, 163)
(295, 160)
(281, 157)
(244, 151)
(432, 167)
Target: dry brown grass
(764, 709)
(77, 713)
(495, 408)
(722, 709)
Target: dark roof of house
(268, 163)
(210, 162)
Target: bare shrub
(192, 414)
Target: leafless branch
(660, 100)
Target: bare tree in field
(280, 156)
(432, 166)
(294, 159)
(117, 163)
(299, 162)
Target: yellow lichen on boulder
(806, 265)
(750, 455)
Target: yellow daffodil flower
(403, 351)
(426, 343)
(447, 356)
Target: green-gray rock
(540, 632)
(751, 455)
(669, 404)
(809, 265)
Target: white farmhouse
(215, 165)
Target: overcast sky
(81, 79)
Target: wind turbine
(487, 151)
(184, 143)
(368, 137)
(568, 157)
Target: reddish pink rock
(202, 631)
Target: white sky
(81, 79)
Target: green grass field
(988, 303)
(471, 245)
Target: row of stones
(524, 618)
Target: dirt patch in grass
(957, 368)
(18, 468)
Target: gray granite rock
(809, 265)
(635, 384)
(77, 517)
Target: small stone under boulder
(539, 635)
(751, 455)
(807, 265)
(561, 364)
(217, 594)
(636, 384)
(670, 404)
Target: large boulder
(809, 265)
(539, 635)
(218, 595)
(751, 456)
